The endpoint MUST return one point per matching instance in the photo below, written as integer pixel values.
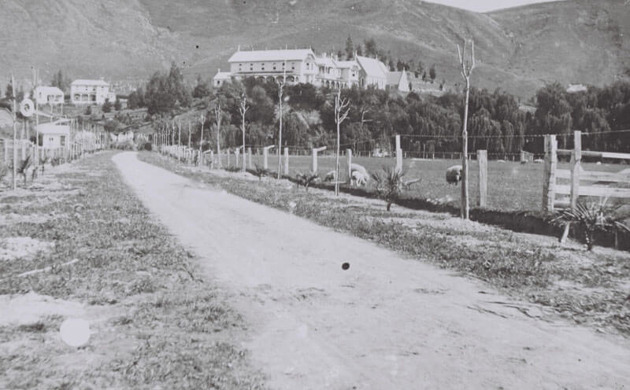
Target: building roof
(91, 82)
(48, 90)
(222, 76)
(576, 88)
(347, 64)
(271, 55)
(53, 128)
(393, 78)
(372, 67)
(326, 61)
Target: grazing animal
(454, 174)
(358, 175)
(359, 178)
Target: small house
(48, 95)
(55, 135)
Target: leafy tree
(88, 110)
(136, 99)
(370, 48)
(60, 81)
(432, 73)
(112, 126)
(349, 48)
(9, 91)
(359, 49)
(201, 89)
(107, 106)
(166, 92)
(117, 104)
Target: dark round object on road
(345, 266)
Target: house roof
(326, 61)
(393, 78)
(271, 55)
(347, 64)
(90, 82)
(222, 76)
(372, 67)
(48, 90)
(53, 128)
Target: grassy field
(511, 185)
(78, 243)
(584, 287)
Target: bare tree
(341, 113)
(203, 120)
(218, 116)
(467, 68)
(243, 110)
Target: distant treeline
(496, 123)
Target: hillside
(518, 50)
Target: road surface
(385, 323)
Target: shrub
(306, 179)
(592, 217)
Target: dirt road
(385, 323)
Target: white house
(48, 95)
(220, 78)
(89, 92)
(55, 135)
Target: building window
(62, 140)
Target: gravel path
(385, 323)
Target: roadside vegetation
(94, 252)
(566, 279)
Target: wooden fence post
(349, 156)
(549, 180)
(286, 161)
(482, 159)
(399, 155)
(314, 162)
(576, 158)
(266, 155)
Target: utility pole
(467, 68)
(189, 134)
(281, 113)
(14, 134)
(341, 113)
(243, 110)
(217, 113)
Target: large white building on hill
(90, 92)
(303, 66)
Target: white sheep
(359, 178)
(454, 174)
(358, 175)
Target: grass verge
(588, 288)
(156, 323)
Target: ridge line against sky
(487, 5)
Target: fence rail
(581, 183)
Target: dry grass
(157, 323)
(589, 288)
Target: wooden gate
(572, 183)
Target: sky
(486, 5)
